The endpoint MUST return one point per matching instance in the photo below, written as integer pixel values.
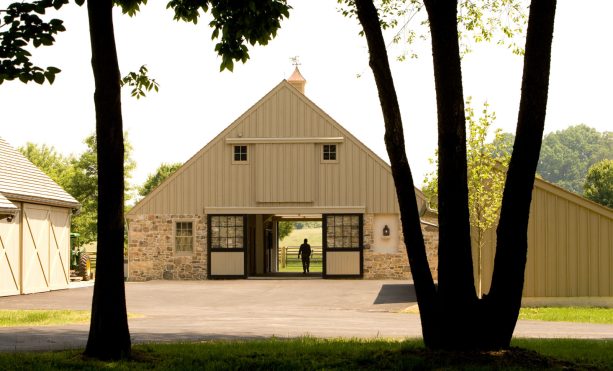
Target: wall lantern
(386, 231)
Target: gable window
(240, 154)
(184, 236)
(329, 153)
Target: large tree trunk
(512, 233)
(109, 336)
(401, 172)
(456, 288)
(453, 317)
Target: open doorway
(291, 234)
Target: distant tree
(598, 185)
(566, 155)
(155, 179)
(486, 164)
(55, 165)
(285, 228)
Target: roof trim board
(285, 210)
(284, 140)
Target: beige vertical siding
(285, 172)
(10, 263)
(227, 263)
(342, 263)
(284, 133)
(570, 246)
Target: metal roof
(21, 180)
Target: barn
(283, 159)
(34, 227)
(286, 159)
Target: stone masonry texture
(152, 255)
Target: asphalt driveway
(199, 310)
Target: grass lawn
(296, 238)
(314, 354)
(11, 318)
(39, 317)
(568, 314)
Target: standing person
(305, 251)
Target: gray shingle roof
(21, 180)
(6, 206)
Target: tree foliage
(155, 179)
(598, 185)
(77, 175)
(140, 82)
(23, 28)
(285, 228)
(567, 154)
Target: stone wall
(152, 256)
(396, 265)
(151, 252)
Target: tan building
(570, 250)
(34, 227)
(283, 159)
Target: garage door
(46, 248)
(59, 248)
(9, 257)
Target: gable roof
(284, 84)
(21, 180)
(6, 206)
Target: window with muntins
(343, 231)
(329, 152)
(184, 236)
(240, 154)
(227, 232)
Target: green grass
(11, 318)
(36, 317)
(296, 238)
(337, 354)
(568, 314)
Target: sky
(196, 101)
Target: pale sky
(196, 101)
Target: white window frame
(240, 162)
(174, 236)
(323, 160)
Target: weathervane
(295, 60)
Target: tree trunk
(453, 317)
(456, 288)
(109, 336)
(512, 232)
(401, 172)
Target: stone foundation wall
(151, 251)
(396, 265)
(152, 256)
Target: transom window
(343, 231)
(184, 236)
(227, 232)
(329, 152)
(240, 154)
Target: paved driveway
(195, 310)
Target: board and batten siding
(284, 133)
(570, 246)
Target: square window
(329, 152)
(240, 154)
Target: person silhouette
(305, 252)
